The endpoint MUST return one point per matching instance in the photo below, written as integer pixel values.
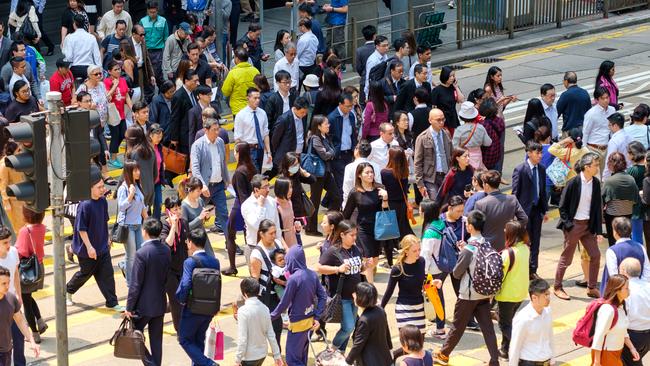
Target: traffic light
(35, 190)
(80, 148)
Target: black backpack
(205, 296)
(378, 71)
(27, 29)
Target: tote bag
(386, 227)
(311, 162)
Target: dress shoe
(230, 272)
(561, 294)
(593, 293)
(41, 325)
(582, 283)
(503, 355)
(534, 276)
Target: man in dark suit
(343, 132)
(281, 101)
(183, 100)
(498, 208)
(191, 333)
(5, 44)
(146, 77)
(290, 133)
(392, 85)
(195, 115)
(146, 302)
(529, 186)
(363, 52)
(405, 96)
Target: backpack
(205, 296)
(448, 253)
(27, 29)
(378, 71)
(583, 335)
(196, 5)
(488, 270)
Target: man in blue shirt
(192, 328)
(337, 13)
(90, 244)
(573, 103)
(306, 11)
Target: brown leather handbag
(175, 161)
(128, 342)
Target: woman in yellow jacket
(9, 176)
(514, 290)
(238, 80)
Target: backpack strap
(198, 262)
(267, 261)
(511, 259)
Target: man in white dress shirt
(306, 49)
(595, 129)
(618, 141)
(638, 311)
(547, 96)
(381, 48)
(81, 49)
(257, 207)
(252, 127)
(380, 146)
(361, 153)
(532, 328)
(289, 64)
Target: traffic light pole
(56, 200)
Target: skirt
(608, 358)
(235, 215)
(410, 315)
(370, 247)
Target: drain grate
(457, 67)
(488, 60)
(607, 49)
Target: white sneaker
(68, 299)
(452, 4)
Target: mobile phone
(209, 207)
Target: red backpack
(583, 335)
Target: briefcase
(128, 342)
(175, 161)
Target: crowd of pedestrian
(160, 84)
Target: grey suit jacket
(4, 50)
(499, 208)
(201, 161)
(425, 156)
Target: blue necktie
(535, 186)
(258, 132)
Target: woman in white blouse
(610, 337)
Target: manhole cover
(488, 60)
(607, 49)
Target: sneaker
(472, 325)
(317, 337)
(503, 355)
(41, 325)
(37, 337)
(452, 4)
(118, 308)
(69, 253)
(117, 164)
(68, 299)
(440, 359)
(238, 250)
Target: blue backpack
(448, 254)
(196, 5)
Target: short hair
(251, 90)
(304, 22)
(380, 39)
(198, 237)
(617, 119)
(282, 75)
(418, 68)
(622, 226)
(79, 21)
(455, 201)
(254, 27)
(275, 253)
(14, 46)
(545, 88)
(394, 64)
(421, 94)
(585, 160)
(166, 86)
(345, 96)
(538, 286)
(122, 22)
(4, 233)
(306, 8)
(571, 77)
(152, 5)
(533, 146)
(204, 90)
(16, 60)
(209, 122)
(250, 287)
(366, 295)
(193, 46)
(301, 103)
(492, 178)
(616, 162)
(115, 2)
(4, 272)
(631, 266)
(364, 148)
(600, 91)
(152, 227)
(138, 106)
(241, 54)
(369, 31)
(476, 218)
(257, 181)
(290, 46)
(422, 49)
(399, 44)
(281, 188)
(189, 74)
(385, 126)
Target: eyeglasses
(96, 73)
(139, 34)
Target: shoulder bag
(119, 232)
(333, 312)
(128, 342)
(307, 204)
(311, 162)
(31, 270)
(175, 161)
(409, 208)
(559, 169)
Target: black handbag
(333, 312)
(31, 270)
(27, 28)
(119, 232)
(307, 204)
(128, 342)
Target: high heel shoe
(230, 272)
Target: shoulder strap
(511, 259)
(31, 239)
(471, 134)
(267, 261)
(339, 286)
(647, 134)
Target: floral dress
(98, 95)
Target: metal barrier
(617, 5)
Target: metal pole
(558, 13)
(353, 36)
(606, 9)
(261, 40)
(294, 21)
(459, 23)
(218, 26)
(511, 19)
(56, 200)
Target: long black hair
(430, 212)
(603, 71)
(535, 110)
(278, 40)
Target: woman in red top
(376, 112)
(31, 239)
(117, 93)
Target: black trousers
(44, 37)
(333, 190)
(155, 325)
(277, 323)
(79, 72)
(171, 285)
(102, 270)
(234, 21)
(641, 341)
(507, 312)
(32, 312)
(534, 228)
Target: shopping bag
(214, 343)
(386, 227)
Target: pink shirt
(372, 119)
(25, 240)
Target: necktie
(387, 147)
(258, 132)
(192, 99)
(535, 186)
(396, 86)
(441, 151)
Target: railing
(617, 5)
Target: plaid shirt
(495, 128)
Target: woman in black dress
(290, 168)
(327, 99)
(446, 95)
(395, 179)
(403, 134)
(367, 198)
(241, 182)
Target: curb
(537, 41)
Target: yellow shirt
(237, 82)
(515, 283)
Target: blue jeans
(133, 243)
(19, 345)
(637, 230)
(348, 320)
(218, 199)
(157, 200)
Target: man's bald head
(631, 267)
(436, 119)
